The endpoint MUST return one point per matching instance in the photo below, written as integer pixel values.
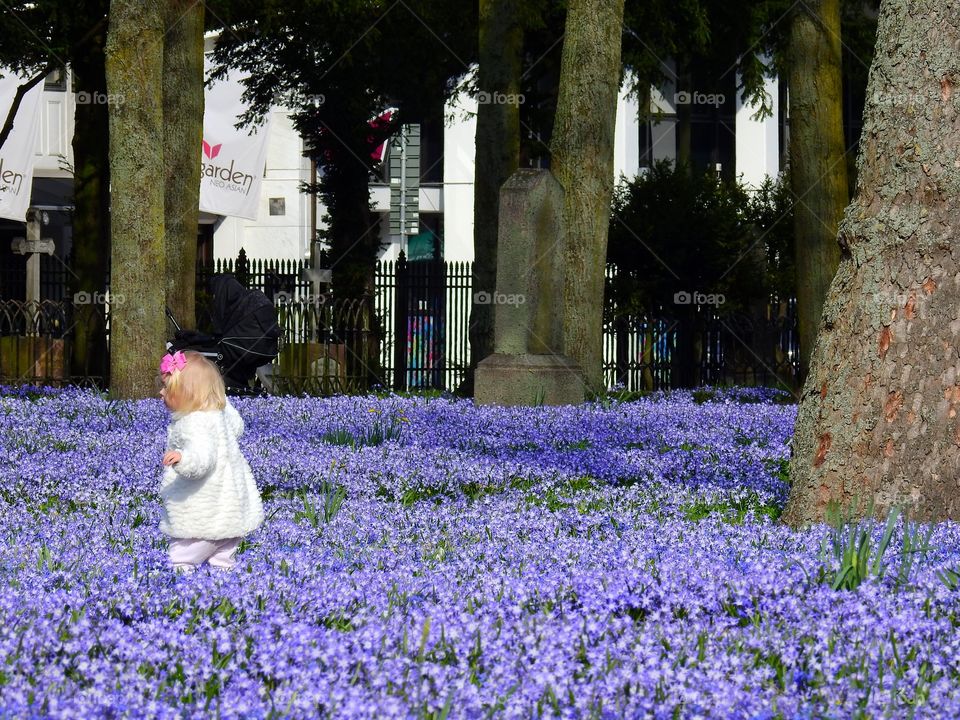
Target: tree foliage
(336, 66)
(36, 34)
(770, 213)
(675, 232)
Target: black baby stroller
(245, 335)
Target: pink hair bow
(169, 363)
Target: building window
(645, 143)
(56, 80)
(278, 206)
(431, 151)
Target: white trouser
(188, 553)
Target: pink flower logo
(211, 151)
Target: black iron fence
(412, 333)
(37, 343)
(286, 279)
(421, 314)
(654, 352)
(424, 308)
(54, 278)
(330, 347)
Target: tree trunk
(497, 157)
(685, 91)
(355, 245)
(582, 161)
(878, 417)
(353, 231)
(90, 252)
(135, 78)
(183, 133)
(818, 167)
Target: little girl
(210, 500)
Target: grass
(779, 468)
(564, 496)
(851, 547)
(383, 429)
(331, 500)
(733, 512)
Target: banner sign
(381, 121)
(420, 246)
(18, 153)
(232, 161)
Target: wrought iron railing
(413, 332)
(35, 342)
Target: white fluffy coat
(210, 493)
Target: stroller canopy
(245, 324)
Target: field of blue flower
(426, 558)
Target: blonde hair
(197, 386)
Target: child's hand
(171, 457)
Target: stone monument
(528, 365)
(33, 247)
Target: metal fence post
(401, 312)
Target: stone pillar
(528, 364)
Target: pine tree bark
(878, 416)
(497, 157)
(134, 68)
(582, 161)
(183, 133)
(818, 167)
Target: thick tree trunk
(582, 161)
(91, 217)
(497, 157)
(183, 133)
(818, 167)
(135, 78)
(878, 417)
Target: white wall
(626, 138)
(458, 166)
(459, 153)
(758, 144)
